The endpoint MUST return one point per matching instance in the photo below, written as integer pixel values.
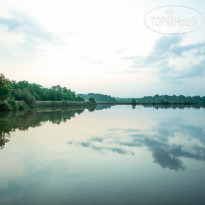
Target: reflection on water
(166, 154)
(103, 106)
(110, 155)
(22, 120)
(176, 106)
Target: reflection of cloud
(103, 148)
(191, 143)
(164, 159)
(198, 155)
(112, 149)
(163, 155)
(97, 139)
(159, 144)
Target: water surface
(113, 155)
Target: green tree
(29, 99)
(5, 88)
(91, 100)
(133, 101)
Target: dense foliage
(133, 101)
(30, 91)
(22, 95)
(5, 88)
(98, 97)
(172, 99)
(166, 99)
(92, 100)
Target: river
(111, 155)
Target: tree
(133, 102)
(29, 99)
(91, 100)
(5, 88)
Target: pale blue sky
(100, 46)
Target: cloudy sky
(101, 46)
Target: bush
(26, 96)
(55, 104)
(4, 106)
(29, 100)
(5, 88)
(91, 100)
(22, 106)
(65, 103)
(12, 103)
(80, 99)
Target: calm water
(117, 155)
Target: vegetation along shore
(24, 95)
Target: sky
(103, 46)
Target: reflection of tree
(103, 106)
(4, 138)
(91, 109)
(133, 106)
(32, 118)
(174, 106)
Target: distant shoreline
(149, 103)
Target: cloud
(22, 23)
(192, 71)
(98, 62)
(19, 33)
(171, 60)
(162, 49)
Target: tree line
(98, 97)
(28, 93)
(166, 99)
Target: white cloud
(90, 40)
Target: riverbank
(12, 105)
(63, 104)
(150, 103)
